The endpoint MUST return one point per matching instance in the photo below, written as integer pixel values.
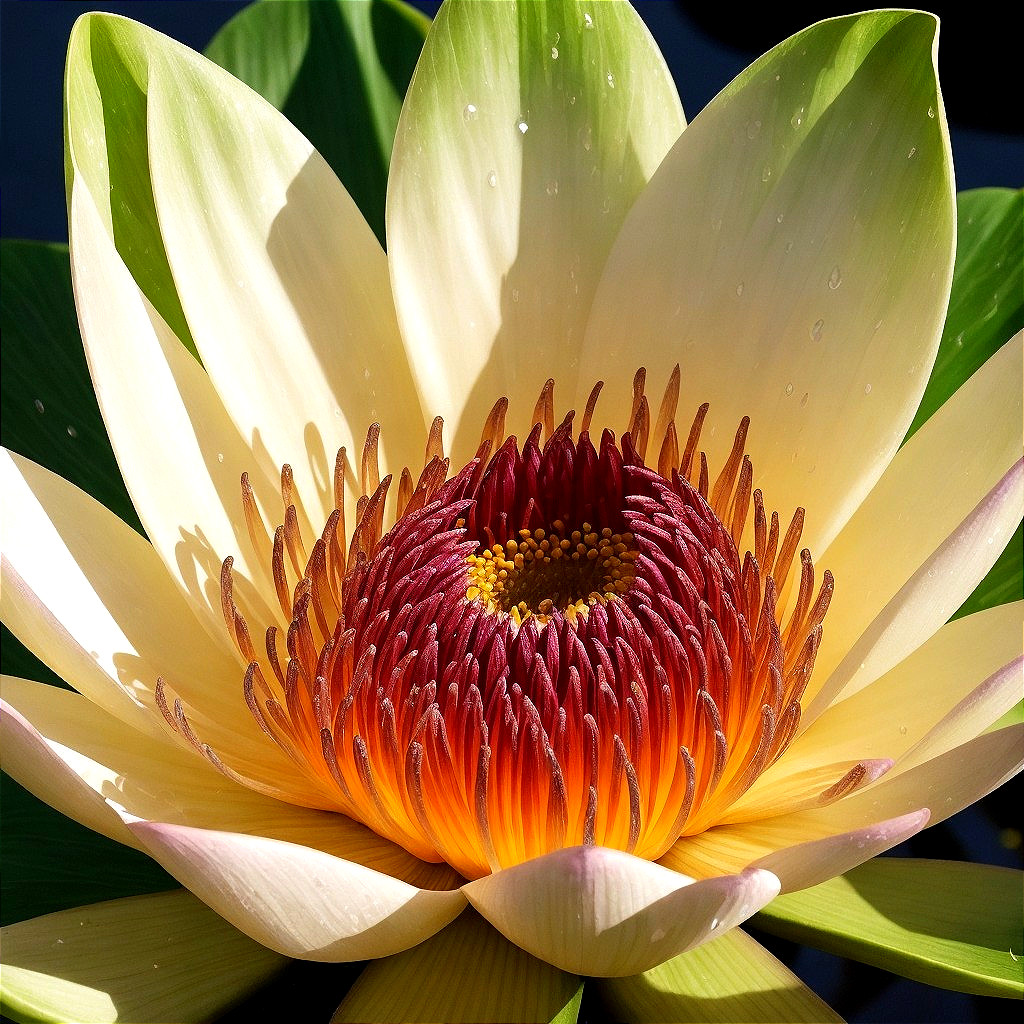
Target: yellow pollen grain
(544, 571)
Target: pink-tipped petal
(601, 912)
(800, 867)
(301, 902)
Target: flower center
(559, 644)
(552, 569)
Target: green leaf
(986, 305)
(159, 957)
(49, 862)
(48, 410)
(467, 972)
(338, 71)
(1005, 581)
(734, 978)
(944, 923)
(105, 99)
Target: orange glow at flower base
(557, 645)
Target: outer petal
(98, 771)
(283, 284)
(730, 979)
(527, 132)
(934, 481)
(150, 389)
(590, 910)
(888, 717)
(784, 846)
(807, 847)
(794, 253)
(301, 902)
(467, 972)
(160, 957)
(932, 594)
(90, 598)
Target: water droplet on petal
(835, 279)
(469, 112)
(819, 326)
(789, 247)
(39, 406)
(220, 457)
(610, 78)
(551, 188)
(789, 389)
(867, 389)
(554, 53)
(588, 21)
(803, 401)
(72, 432)
(753, 129)
(492, 179)
(766, 173)
(781, 217)
(931, 111)
(522, 126)
(739, 289)
(366, 373)
(798, 118)
(587, 137)
(913, 150)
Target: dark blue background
(705, 45)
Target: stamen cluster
(556, 645)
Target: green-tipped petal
(338, 72)
(943, 923)
(528, 130)
(794, 254)
(468, 972)
(160, 957)
(106, 151)
(731, 979)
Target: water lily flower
(478, 583)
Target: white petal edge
(161, 957)
(96, 770)
(284, 286)
(527, 131)
(301, 902)
(931, 595)
(796, 262)
(591, 910)
(934, 481)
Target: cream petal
(301, 902)
(794, 254)
(888, 717)
(93, 601)
(790, 787)
(591, 910)
(807, 864)
(150, 389)
(805, 850)
(808, 846)
(931, 595)
(161, 957)
(934, 481)
(284, 286)
(527, 132)
(975, 713)
(96, 770)
(733, 978)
